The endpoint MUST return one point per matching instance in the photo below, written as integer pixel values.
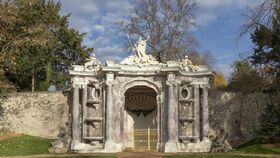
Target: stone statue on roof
(139, 54)
(140, 48)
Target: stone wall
(40, 114)
(234, 118)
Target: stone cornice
(141, 70)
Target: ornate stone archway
(183, 118)
(157, 89)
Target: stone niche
(93, 115)
(113, 102)
(187, 115)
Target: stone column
(85, 111)
(196, 132)
(110, 145)
(109, 111)
(171, 145)
(205, 120)
(76, 131)
(159, 123)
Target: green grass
(210, 156)
(24, 145)
(256, 148)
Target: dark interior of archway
(141, 106)
(140, 100)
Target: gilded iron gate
(144, 139)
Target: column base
(75, 145)
(112, 147)
(171, 147)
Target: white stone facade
(176, 91)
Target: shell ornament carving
(138, 104)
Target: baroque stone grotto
(166, 102)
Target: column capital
(109, 83)
(206, 86)
(171, 76)
(196, 86)
(74, 85)
(171, 83)
(110, 76)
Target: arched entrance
(141, 121)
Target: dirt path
(137, 155)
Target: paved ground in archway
(146, 154)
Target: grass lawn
(248, 148)
(21, 145)
(24, 145)
(255, 148)
(210, 156)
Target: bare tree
(260, 16)
(167, 23)
(205, 58)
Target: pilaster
(110, 145)
(205, 112)
(171, 144)
(76, 132)
(196, 109)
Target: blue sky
(218, 22)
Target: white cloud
(97, 18)
(210, 10)
(224, 3)
(99, 28)
(112, 53)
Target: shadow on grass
(253, 147)
(210, 156)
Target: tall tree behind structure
(35, 38)
(264, 25)
(167, 23)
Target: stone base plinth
(112, 147)
(203, 146)
(109, 147)
(174, 147)
(171, 147)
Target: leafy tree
(219, 80)
(264, 22)
(270, 121)
(167, 23)
(244, 78)
(37, 44)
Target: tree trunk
(33, 81)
